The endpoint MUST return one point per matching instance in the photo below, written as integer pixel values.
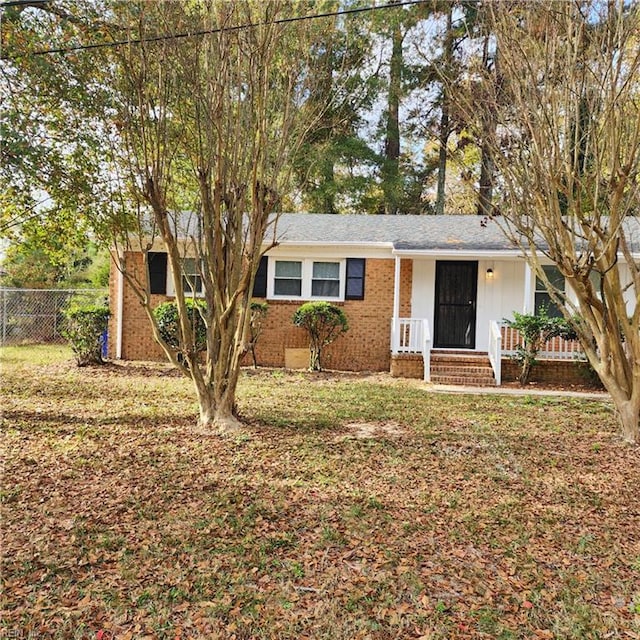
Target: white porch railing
(554, 349)
(407, 335)
(411, 335)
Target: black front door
(455, 308)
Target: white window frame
(294, 279)
(307, 276)
(171, 291)
(543, 290)
(331, 280)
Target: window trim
(195, 274)
(171, 291)
(315, 280)
(553, 309)
(307, 278)
(291, 279)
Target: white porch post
(528, 288)
(395, 325)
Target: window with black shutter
(157, 262)
(354, 289)
(260, 283)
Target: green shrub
(324, 322)
(166, 315)
(85, 328)
(535, 330)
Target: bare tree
(567, 155)
(209, 121)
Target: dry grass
(349, 508)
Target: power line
(21, 3)
(191, 34)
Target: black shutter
(158, 272)
(355, 279)
(260, 283)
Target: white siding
(498, 297)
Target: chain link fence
(36, 316)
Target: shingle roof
(408, 233)
(412, 233)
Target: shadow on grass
(36, 420)
(135, 369)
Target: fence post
(4, 316)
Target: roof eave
(459, 253)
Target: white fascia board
(511, 254)
(334, 250)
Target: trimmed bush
(166, 315)
(535, 330)
(85, 328)
(324, 322)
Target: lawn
(350, 507)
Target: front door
(455, 304)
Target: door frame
(441, 266)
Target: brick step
(469, 381)
(459, 352)
(446, 368)
(461, 368)
(460, 358)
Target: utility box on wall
(296, 358)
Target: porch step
(461, 368)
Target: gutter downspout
(120, 311)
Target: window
(191, 278)
(542, 297)
(355, 279)
(323, 279)
(157, 262)
(325, 282)
(288, 278)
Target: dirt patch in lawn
(364, 430)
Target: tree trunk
(217, 407)
(445, 129)
(329, 179)
(489, 126)
(627, 404)
(485, 191)
(315, 354)
(629, 415)
(442, 155)
(391, 164)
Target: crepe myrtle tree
(323, 322)
(566, 148)
(208, 122)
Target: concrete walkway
(518, 391)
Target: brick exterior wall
(407, 366)
(137, 337)
(365, 347)
(553, 372)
